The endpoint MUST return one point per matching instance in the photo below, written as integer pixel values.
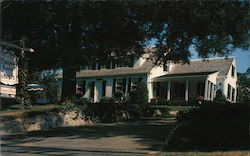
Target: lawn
(14, 113)
(217, 153)
(172, 108)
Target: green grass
(215, 153)
(14, 113)
(173, 108)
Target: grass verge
(15, 113)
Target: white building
(8, 71)
(199, 79)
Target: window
(166, 68)
(233, 71)
(135, 81)
(228, 91)
(98, 66)
(92, 66)
(81, 86)
(107, 65)
(119, 84)
(113, 64)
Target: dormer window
(233, 71)
(166, 68)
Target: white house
(8, 71)
(199, 79)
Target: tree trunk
(69, 83)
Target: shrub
(138, 100)
(79, 106)
(211, 126)
(177, 102)
(118, 95)
(220, 98)
(106, 100)
(84, 101)
(162, 102)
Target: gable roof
(222, 65)
(143, 69)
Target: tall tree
(243, 89)
(67, 34)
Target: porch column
(231, 91)
(205, 91)
(95, 92)
(186, 91)
(169, 89)
(209, 90)
(212, 97)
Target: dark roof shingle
(144, 68)
(200, 66)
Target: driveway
(142, 137)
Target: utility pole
(23, 95)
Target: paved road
(143, 137)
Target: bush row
(211, 126)
(215, 111)
(112, 109)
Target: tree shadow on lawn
(150, 133)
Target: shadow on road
(150, 133)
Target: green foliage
(243, 88)
(73, 104)
(106, 112)
(214, 111)
(162, 102)
(118, 95)
(211, 126)
(106, 100)
(220, 98)
(49, 81)
(100, 27)
(138, 99)
(22, 95)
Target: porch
(185, 87)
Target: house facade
(8, 72)
(199, 79)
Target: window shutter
(114, 86)
(103, 88)
(129, 84)
(84, 87)
(124, 85)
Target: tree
(138, 99)
(243, 88)
(67, 34)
